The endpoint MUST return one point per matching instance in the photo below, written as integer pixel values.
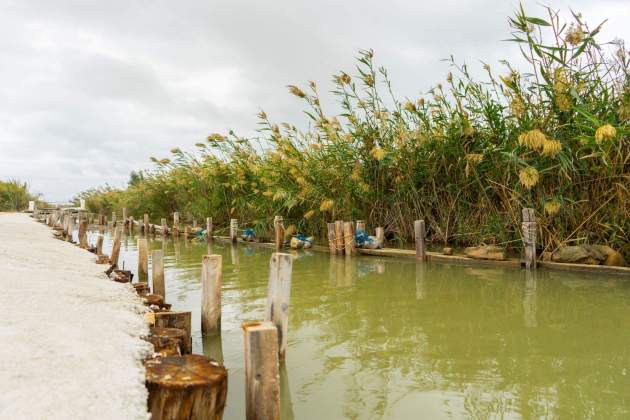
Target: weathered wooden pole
(113, 219)
(124, 214)
(339, 245)
(186, 232)
(176, 223)
(82, 204)
(194, 223)
(278, 226)
(164, 227)
(113, 259)
(132, 225)
(209, 229)
(529, 227)
(262, 381)
(186, 387)
(278, 297)
(70, 227)
(143, 260)
(145, 225)
(83, 234)
(379, 233)
(360, 226)
(420, 234)
(99, 245)
(348, 238)
(331, 237)
(211, 266)
(157, 272)
(233, 230)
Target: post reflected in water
(234, 254)
(529, 299)
(210, 249)
(176, 248)
(349, 269)
(213, 346)
(286, 405)
(421, 269)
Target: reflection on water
(374, 338)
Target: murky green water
(374, 338)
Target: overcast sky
(89, 90)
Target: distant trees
(14, 195)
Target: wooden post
(124, 214)
(186, 387)
(379, 233)
(113, 259)
(82, 204)
(331, 237)
(186, 232)
(70, 227)
(348, 237)
(113, 219)
(262, 382)
(278, 226)
(176, 224)
(278, 297)
(143, 260)
(157, 272)
(529, 227)
(211, 266)
(176, 319)
(339, 245)
(420, 233)
(83, 234)
(360, 225)
(164, 228)
(233, 230)
(209, 229)
(194, 223)
(132, 225)
(145, 225)
(99, 245)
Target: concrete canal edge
(72, 344)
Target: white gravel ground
(70, 344)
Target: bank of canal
(389, 338)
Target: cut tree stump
(176, 319)
(168, 341)
(186, 387)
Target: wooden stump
(142, 289)
(278, 297)
(209, 229)
(99, 245)
(420, 234)
(186, 387)
(176, 319)
(278, 226)
(176, 223)
(143, 260)
(83, 234)
(157, 272)
(339, 245)
(211, 267)
(331, 237)
(348, 237)
(168, 341)
(262, 382)
(529, 228)
(233, 230)
(115, 248)
(122, 276)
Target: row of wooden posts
(341, 234)
(265, 341)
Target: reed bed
(467, 156)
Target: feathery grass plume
(296, 91)
(575, 35)
(410, 106)
(215, 138)
(309, 214)
(472, 159)
(368, 79)
(561, 90)
(532, 139)
(326, 205)
(528, 177)
(551, 147)
(605, 132)
(176, 151)
(342, 79)
(517, 107)
(268, 193)
(378, 153)
(552, 207)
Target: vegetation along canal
(387, 338)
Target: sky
(89, 90)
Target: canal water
(373, 338)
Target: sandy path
(69, 338)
